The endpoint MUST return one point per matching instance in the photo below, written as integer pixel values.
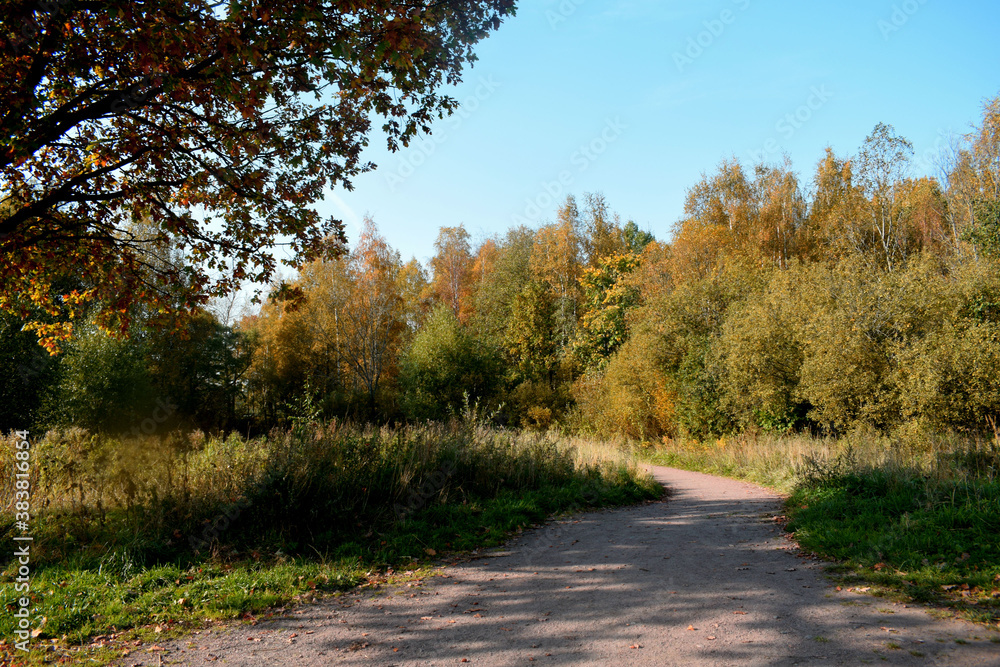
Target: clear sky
(638, 98)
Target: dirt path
(705, 578)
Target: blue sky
(638, 98)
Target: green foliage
(635, 239)
(153, 380)
(444, 367)
(608, 298)
(948, 379)
(631, 396)
(105, 383)
(985, 232)
(202, 371)
(530, 341)
(761, 357)
(537, 405)
(497, 290)
(699, 392)
(27, 375)
(881, 348)
(691, 320)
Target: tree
(985, 232)
(372, 322)
(635, 239)
(556, 261)
(781, 210)
(531, 338)
(27, 375)
(219, 123)
(452, 264)
(602, 235)
(881, 169)
(608, 298)
(483, 265)
(495, 291)
(282, 361)
(825, 231)
(105, 384)
(986, 151)
(413, 286)
(973, 181)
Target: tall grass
(300, 490)
(185, 526)
(783, 462)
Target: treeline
(870, 300)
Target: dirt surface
(704, 578)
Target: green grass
(933, 540)
(172, 539)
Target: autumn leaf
(152, 156)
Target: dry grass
(781, 461)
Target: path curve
(706, 577)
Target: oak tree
(219, 123)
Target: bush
(761, 358)
(446, 367)
(105, 384)
(630, 396)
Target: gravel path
(704, 578)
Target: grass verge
(908, 533)
(141, 540)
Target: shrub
(630, 396)
(761, 358)
(444, 367)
